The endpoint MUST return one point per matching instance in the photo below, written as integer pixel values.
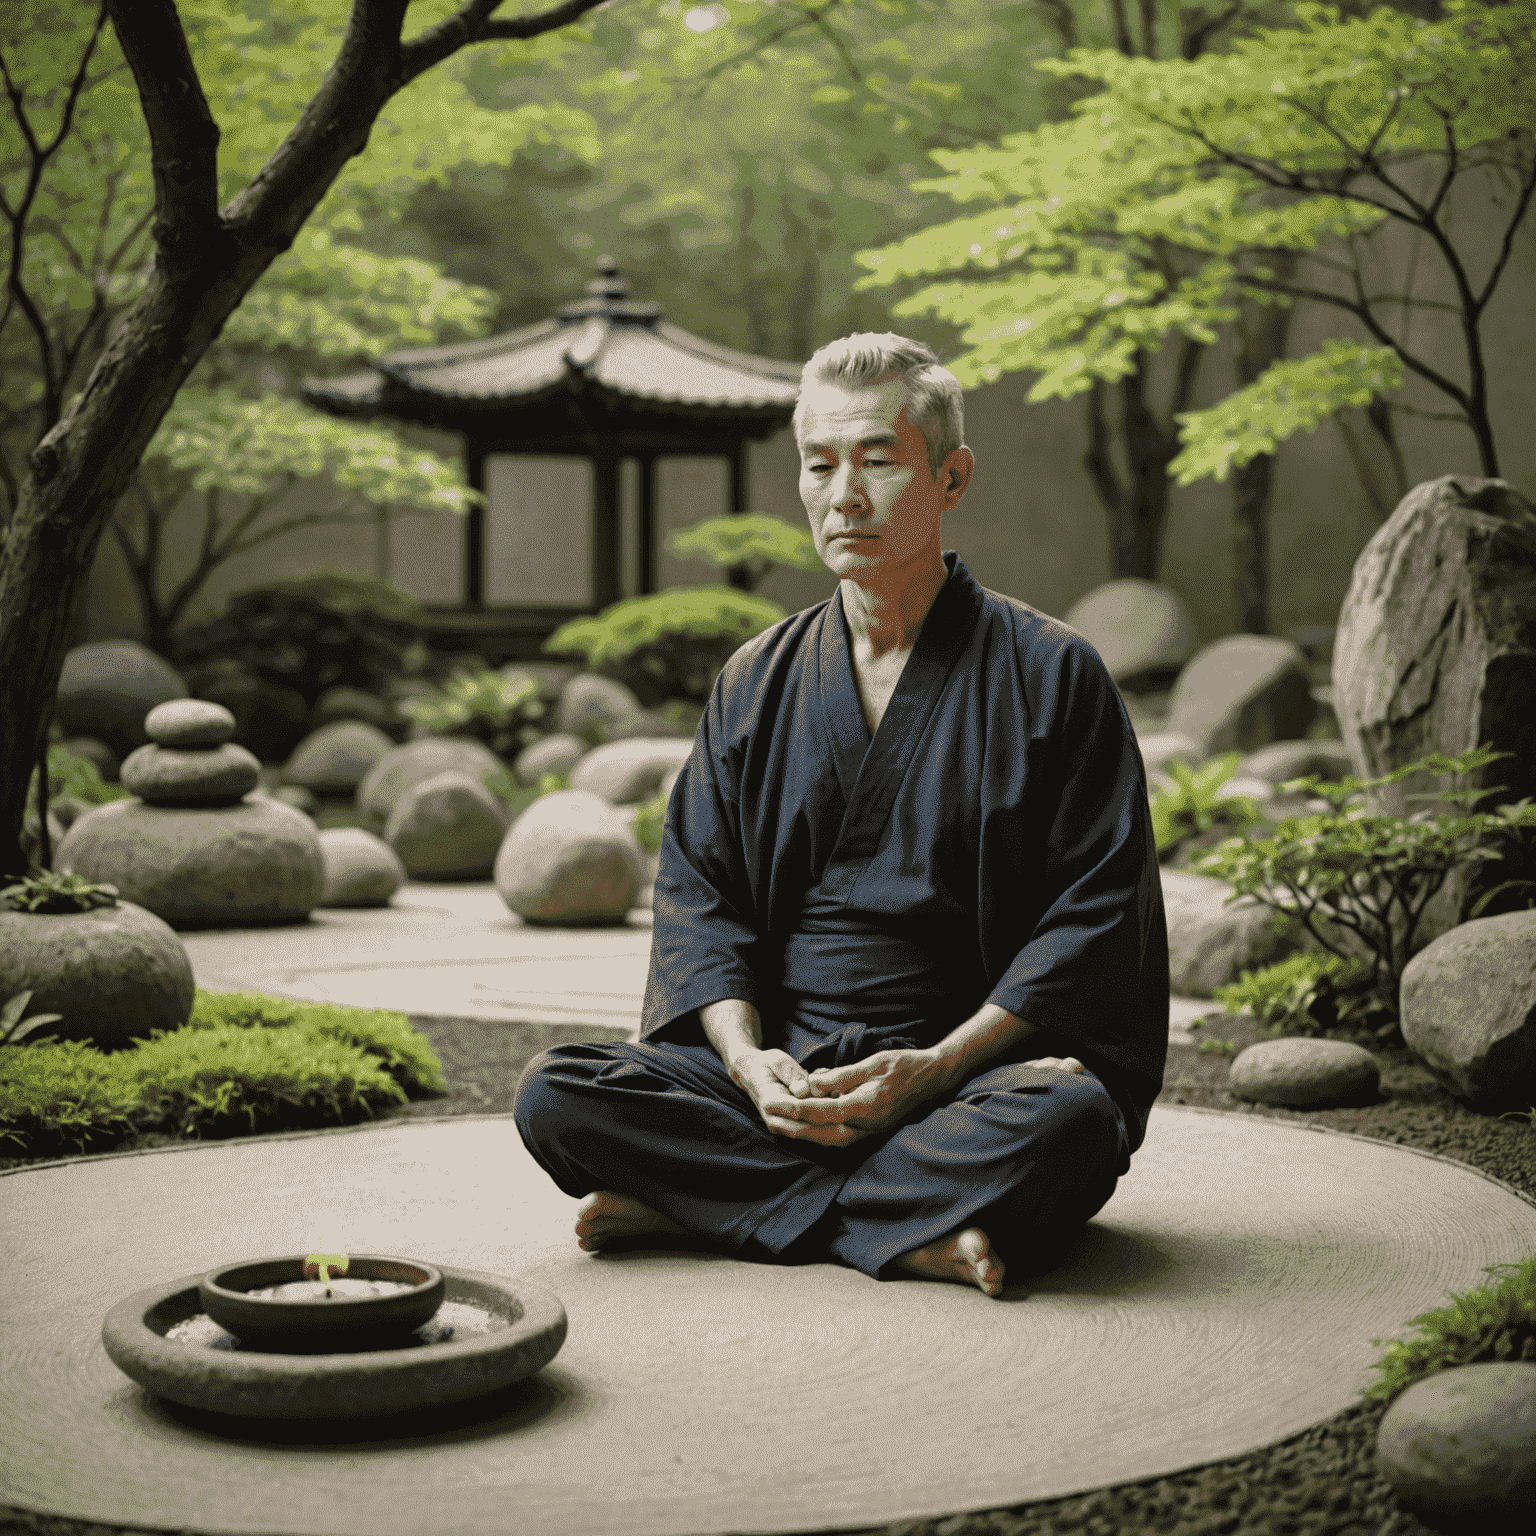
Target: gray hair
(869, 357)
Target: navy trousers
(1026, 1153)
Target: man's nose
(848, 488)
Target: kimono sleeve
(705, 943)
(1093, 964)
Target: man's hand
(775, 1081)
(846, 1104)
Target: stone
(98, 753)
(1161, 748)
(1243, 692)
(269, 720)
(1255, 789)
(1283, 760)
(551, 676)
(403, 766)
(570, 858)
(1136, 626)
(594, 708)
(1305, 1074)
(197, 776)
(114, 973)
(448, 827)
(66, 810)
(1210, 944)
(108, 686)
(297, 796)
(1459, 1447)
(335, 759)
(1436, 652)
(630, 772)
(235, 866)
(361, 870)
(344, 703)
(653, 723)
(1468, 1010)
(553, 754)
(189, 723)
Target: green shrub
(749, 542)
(649, 821)
(57, 891)
(64, 1093)
(244, 1061)
(1193, 806)
(1350, 869)
(1492, 1323)
(484, 704)
(71, 774)
(1305, 994)
(1211, 1046)
(668, 645)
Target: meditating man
(908, 998)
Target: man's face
(873, 502)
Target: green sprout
(319, 1265)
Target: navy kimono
(991, 843)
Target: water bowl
(376, 1297)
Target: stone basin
(164, 1340)
(378, 1296)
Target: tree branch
(1506, 245)
(183, 136)
(473, 23)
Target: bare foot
(603, 1216)
(965, 1256)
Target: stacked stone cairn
(195, 847)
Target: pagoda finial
(608, 284)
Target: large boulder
(1468, 1008)
(1243, 692)
(631, 771)
(361, 870)
(106, 689)
(335, 759)
(570, 858)
(1436, 652)
(345, 703)
(552, 754)
(1459, 1447)
(1210, 944)
(1137, 627)
(1305, 1074)
(402, 767)
(246, 865)
(598, 709)
(114, 973)
(448, 827)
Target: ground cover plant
(502, 712)
(1195, 806)
(1359, 881)
(243, 1062)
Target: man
(908, 997)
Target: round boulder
(554, 754)
(448, 827)
(296, 796)
(416, 761)
(597, 708)
(114, 973)
(1243, 692)
(361, 870)
(189, 723)
(1468, 1007)
(195, 776)
(1305, 1074)
(108, 686)
(234, 866)
(344, 703)
(1136, 626)
(1459, 1447)
(1210, 944)
(337, 758)
(629, 772)
(570, 858)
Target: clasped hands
(837, 1106)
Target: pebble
(220, 775)
(189, 723)
(1299, 1073)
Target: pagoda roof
(606, 344)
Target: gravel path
(1322, 1482)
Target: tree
(233, 189)
(1187, 188)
